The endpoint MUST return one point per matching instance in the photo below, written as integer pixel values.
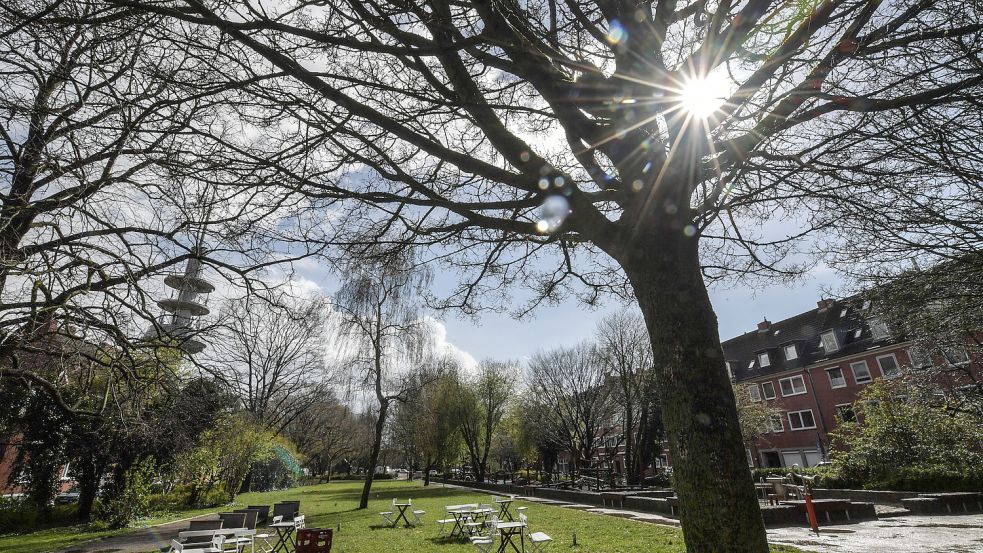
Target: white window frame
(791, 425)
(955, 355)
(897, 366)
(764, 360)
(839, 412)
(790, 379)
(829, 375)
(878, 329)
(771, 427)
(916, 352)
(753, 392)
(764, 390)
(831, 335)
(795, 352)
(856, 378)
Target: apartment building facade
(811, 368)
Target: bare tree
(626, 354)
(380, 339)
(643, 146)
(326, 433)
(482, 400)
(106, 184)
(270, 353)
(577, 398)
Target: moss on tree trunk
(719, 508)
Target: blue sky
(738, 310)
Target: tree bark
(374, 455)
(719, 509)
(90, 472)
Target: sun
(701, 97)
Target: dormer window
(878, 330)
(791, 353)
(750, 365)
(763, 359)
(830, 343)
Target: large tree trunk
(719, 507)
(90, 472)
(374, 455)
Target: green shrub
(18, 514)
(132, 501)
(908, 439)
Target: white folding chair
(418, 516)
(265, 537)
(442, 525)
(387, 516)
(484, 542)
(538, 540)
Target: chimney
(824, 304)
(764, 325)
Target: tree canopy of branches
(426, 427)
(500, 134)
(270, 354)
(482, 400)
(625, 351)
(107, 181)
(576, 397)
(382, 340)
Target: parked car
(67, 497)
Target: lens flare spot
(543, 183)
(553, 212)
(636, 185)
(689, 230)
(616, 32)
(524, 156)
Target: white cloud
(467, 361)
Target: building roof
(850, 322)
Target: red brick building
(811, 367)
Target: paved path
(139, 541)
(901, 534)
(897, 534)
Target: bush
(908, 440)
(17, 514)
(132, 501)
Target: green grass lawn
(361, 531)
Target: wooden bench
(937, 503)
(829, 511)
(618, 498)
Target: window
(791, 353)
(768, 389)
(775, 424)
(845, 412)
(801, 420)
(861, 372)
(792, 386)
(919, 357)
(888, 365)
(830, 344)
(752, 390)
(750, 365)
(763, 359)
(955, 355)
(878, 330)
(836, 378)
